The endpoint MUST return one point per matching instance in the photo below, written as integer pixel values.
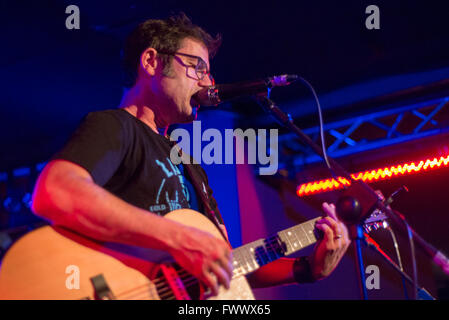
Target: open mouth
(195, 107)
(194, 102)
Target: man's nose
(207, 81)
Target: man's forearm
(77, 202)
(283, 271)
(276, 273)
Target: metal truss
(370, 131)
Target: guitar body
(55, 263)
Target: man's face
(176, 89)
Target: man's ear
(148, 61)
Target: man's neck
(134, 102)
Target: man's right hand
(206, 257)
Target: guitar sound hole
(190, 283)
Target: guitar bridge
(101, 288)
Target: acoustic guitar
(55, 263)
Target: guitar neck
(252, 256)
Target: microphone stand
(356, 234)
(423, 294)
(364, 198)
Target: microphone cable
(320, 115)
(411, 242)
(413, 257)
(398, 256)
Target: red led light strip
(371, 175)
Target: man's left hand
(329, 250)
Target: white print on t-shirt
(171, 171)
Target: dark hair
(162, 35)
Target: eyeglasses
(199, 70)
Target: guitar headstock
(376, 220)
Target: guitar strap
(193, 171)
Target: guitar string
(184, 275)
(161, 282)
(188, 280)
(142, 295)
(161, 279)
(157, 282)
(145, 291)
(160, 292)
(138, 288)
(165, 295)
(180, 271)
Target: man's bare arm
(66, 194)
(276, 273)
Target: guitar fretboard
(252, 256)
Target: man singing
(114, 181)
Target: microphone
(213, 95)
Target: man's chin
(188, 118)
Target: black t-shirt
(127, 158)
